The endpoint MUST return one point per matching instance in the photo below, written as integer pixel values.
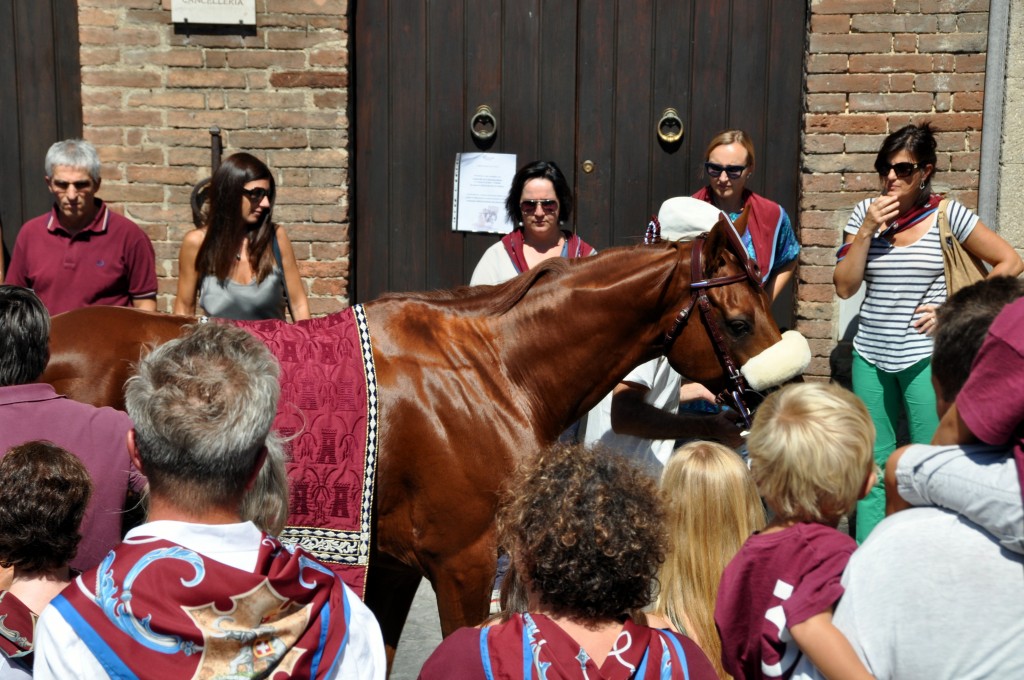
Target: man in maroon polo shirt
(29, 411)
(81, 253)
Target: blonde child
(811, 457)
(712, 507)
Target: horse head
(735, 346)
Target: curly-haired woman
(585, 530)
(43, 494)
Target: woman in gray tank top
(239, 264)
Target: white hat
(684, 218)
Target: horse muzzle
(783, 361)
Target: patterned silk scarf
(17, 625)
(533, 646)
(574, 247)
(156, 609)
(902, 223)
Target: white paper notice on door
(482, 181)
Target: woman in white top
(892, 245)
(239, 264)
(539, 203)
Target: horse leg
(462, 583)
(390, 589)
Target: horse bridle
(737, 392)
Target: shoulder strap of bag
(944, 231)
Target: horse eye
(738, 327)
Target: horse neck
(573, 338)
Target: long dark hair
(225, 228)
(548, 170)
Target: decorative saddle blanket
(328, 415)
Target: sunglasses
(731, 171)
(902, 170)
(548, 205)
(256, 194)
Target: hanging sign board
(214, 12)
(482, 181)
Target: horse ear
(741, 221)
(716, 245)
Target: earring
(520, 223)
(923, 185)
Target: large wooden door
(568, 81)
(40, 79)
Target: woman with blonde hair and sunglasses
(712, 508)
(769, 237)
(239, 263)
(539, 203)
(892, 245)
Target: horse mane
(487, 300)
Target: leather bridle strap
(699, 297)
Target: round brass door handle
(670, 127)
(484, 124)
(588, 167)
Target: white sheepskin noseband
(782, 361)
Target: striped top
(899, 279)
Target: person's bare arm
(185, 300)
(989, 246)
(292, 280)
(147, 304)
(633, 416)
(953, 430)
(828, 648)
(849, 272)
(777, 281)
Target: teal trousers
(889, 396)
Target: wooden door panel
(41, 78)
(570, 82)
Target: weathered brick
(838, 82)
(269, 139)
(204, 78)
(322, 79)
(968, 101)
(824, 144)
(949, 82)
(851, 6)
(901, 82)
(827, 63)
(953, 42)
(969, 63)
(165, 99)
(117, 78)
(265, 59)
(912, 101)
(105, 116)
(826, 103)
(850, 44)
(830, 23)
(890, 63)
(852, 124)
(904, 42)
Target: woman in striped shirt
(892, 245)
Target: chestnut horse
(473, 379)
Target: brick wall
(150, 96)
(872, 67)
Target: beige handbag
(962, 268)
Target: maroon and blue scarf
(574, 247)
(902, 223)
(156, 609)
(17, 628)
(534, 646)
(763, 224)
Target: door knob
(483, 124)
(670, 127)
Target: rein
(737, 392)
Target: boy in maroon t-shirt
(811, 456)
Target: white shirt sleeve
(364, 656)
(59, 652)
